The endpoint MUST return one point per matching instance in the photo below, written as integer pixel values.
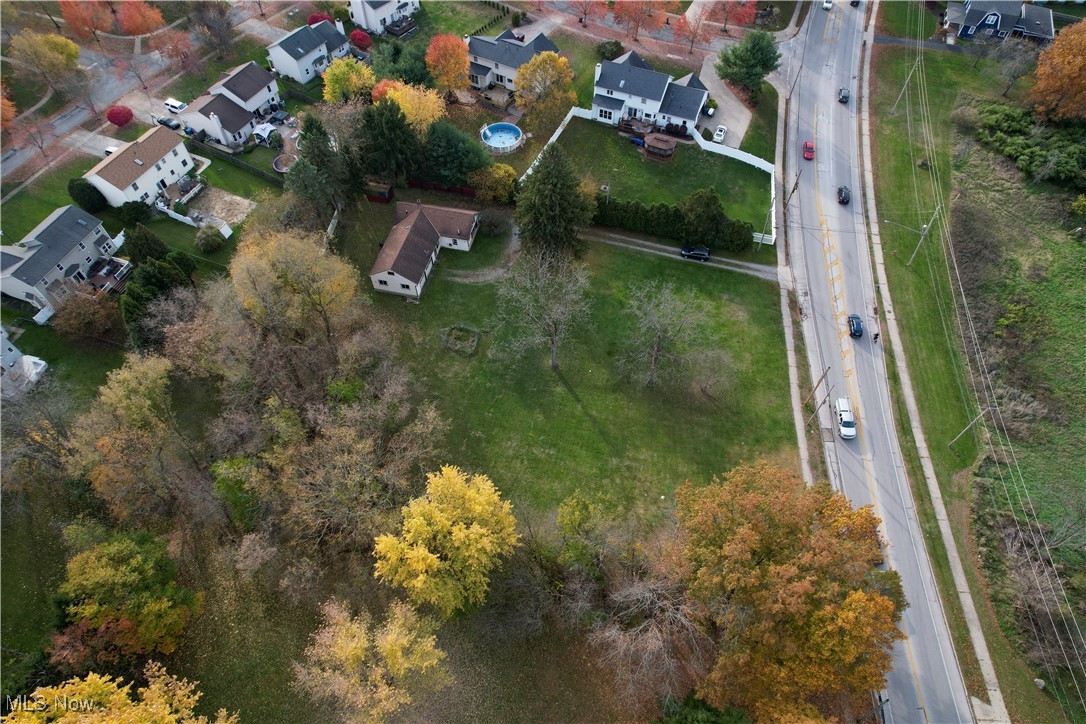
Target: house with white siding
(306, 52)
(497, 59)
(376, 15)
(408, 255)
(223, 120)
(628, 87)
(251, 87)
(68, 249)
(143, 169)
(19, 371)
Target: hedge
(665, 220)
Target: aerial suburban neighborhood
(719, 360)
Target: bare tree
(211, 19)
(80, 87)
(31, 130)
(137, 67)
(653, 638)
(1014, 59)
(543, 300)
(670, 327)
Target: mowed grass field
(923, 304)
(598, 152)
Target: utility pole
(986, 409)
(906, 85)
(795, 186)
(816, 384)
(924, 233)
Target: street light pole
(927, 228)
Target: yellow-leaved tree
(368, 673)
(544, 89)
(422, 106)
(345, 79)
(105, 700)
(451, 539)
(496, 182)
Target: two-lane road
(832, 265)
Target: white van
(846, 421)
(175, 106)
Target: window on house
(145, 197)
(82, 245)
(455, 242)
(610, 93)
(307, 71)
(644, 101)
(60, 268)
(158, 166)
(606, 115)
(172, 172)
(89, 260)
(391, 273)
(991, 20)
(405, 286)
(184, 163)
(135, 187)
(382, 282)
(175, 153)
(107, 248)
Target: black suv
(698, 253)
(843, 95)
(843, 195)
(169, 123)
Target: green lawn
(452, 16)
(761, 138)
(901, 19)
(30, 206)
(597, 151)
(191, 85)
(225, 175)
(542, 435)
(131, 132)
(582, 57)
(470, 119)
(921, 298)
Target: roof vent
(622, 83)
(81, 221)
(138, 162)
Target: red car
(808, 150)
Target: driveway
(730, 112)
(92, 144)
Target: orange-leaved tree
(788, 572)
(740, 12)
(87, 18)
(447, 61)
(589, 9)
(139, 18)
(7, 109)
(1060, 90)
(697, 30)
(647, 15)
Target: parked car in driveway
(170, 123)
(855, 326)
(721, 131)
(697, 253)
(843, 195)
(808, 150)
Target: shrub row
(1054, 153)
(667, 221)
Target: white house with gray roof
(497, 59)
(250, 86)
(628, 87)
(375, 15)
(144, 169)
(19, 371)
(69, 248)
(305, 53)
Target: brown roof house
(143, 169)
(410, 251)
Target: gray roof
(1037, 20)
(478, 69)
(7, 259)
(245, 81)
(629, 77)
(509, 51)
(307, 38)
(608, 102)
(683, 102)
(1009, 12)
(232, 116)
(377, 3)
(632, 58)
(692, 81)
(57, 235)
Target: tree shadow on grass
(592, 419)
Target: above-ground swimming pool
(501, 137)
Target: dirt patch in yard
(223, 205)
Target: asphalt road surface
(832, 265)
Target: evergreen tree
(309, 182)
(450, 154)
(329, 157)
(387, 145)
(142, 244)
(151, 280)
(85, 195)
(550, 206)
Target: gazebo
(660, 146)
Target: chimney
(339, 27)
(218, 124)
(599, 67)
